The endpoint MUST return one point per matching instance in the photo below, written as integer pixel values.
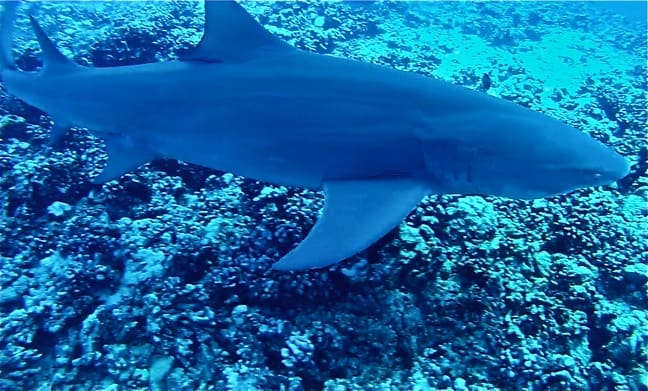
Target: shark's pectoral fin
(124, 155)
(232, 35)
(356, 214)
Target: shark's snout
(608, 165)
(580, 160)
(620, 168)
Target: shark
(376, 140)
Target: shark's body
(375, 139)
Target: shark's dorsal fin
(356, 214)
(232, 35)
(53, 59)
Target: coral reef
(160, 280)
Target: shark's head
(524, 155)
(556, 158)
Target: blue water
(634, 11)
(160, 280)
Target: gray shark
(375, 139)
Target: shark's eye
(592, 173)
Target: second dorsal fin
(232, 35)
(53, 59)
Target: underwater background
(160, 280)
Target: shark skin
(375, 139)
